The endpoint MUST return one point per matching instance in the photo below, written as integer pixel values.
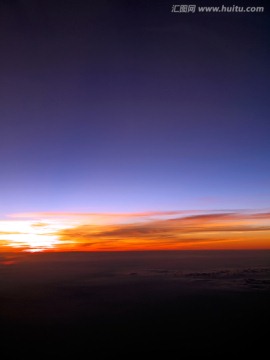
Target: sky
(110, 109)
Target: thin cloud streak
(102, 217)
(85, 214)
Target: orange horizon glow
(156, 230)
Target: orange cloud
(225, 230)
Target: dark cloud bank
(188, 302)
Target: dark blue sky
(125, 106)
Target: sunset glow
(26, 235)
(135, 231)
